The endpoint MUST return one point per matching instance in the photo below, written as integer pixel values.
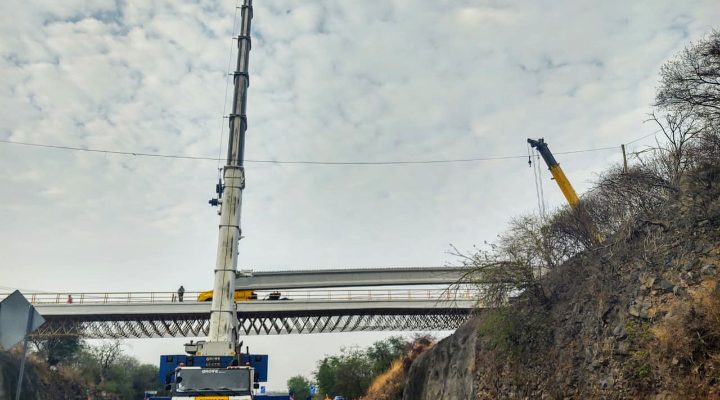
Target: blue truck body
(168, 363)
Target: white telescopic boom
(223, 333)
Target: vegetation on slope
(390, 385)
(356, 371)
(65, 367)
(637, 315)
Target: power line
(12, 288)
(125, 153)
(306, 162)
(641, 138)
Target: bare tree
(513, 265)
(106, 355)
(691, 81)
(57, 349)
(672, 159)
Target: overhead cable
(307, 162)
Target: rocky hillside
(637, 317)
(619, 298)
(447, 370)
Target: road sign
(15, 311)
(313, 389)
(18, 319)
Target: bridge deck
(151, 314)
(142, 320)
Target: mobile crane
(564, 184)
(216, 367)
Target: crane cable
(227, 85)
(535, 179)
(542, 190)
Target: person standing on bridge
(69, 299)
(181, 292)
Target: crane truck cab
(231, 383)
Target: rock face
(638, 317)
(39, 383)
(447, 371)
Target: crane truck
(216, 368)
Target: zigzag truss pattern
(158, 326)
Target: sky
(339, 81)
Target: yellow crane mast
(564, 184)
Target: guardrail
(464, 294)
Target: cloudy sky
(330, 81)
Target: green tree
(299, 386)
(58, 349)
(349, 374)
(144, 377)
(382, 353)
(128, 379)
(106, 368)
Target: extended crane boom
(556, 171)
(223, 333)
(217, 368)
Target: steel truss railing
(431, 319)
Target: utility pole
(622, 146)
(223, 333)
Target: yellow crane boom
(557, 172)
(565, 186)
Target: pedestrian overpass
(368, 299)
(156, 314)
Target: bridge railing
(445, 294)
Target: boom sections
(223, 332)
(566, 188)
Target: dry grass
(684, 350)
(690, 332)
(390, 384)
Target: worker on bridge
(181, 292)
